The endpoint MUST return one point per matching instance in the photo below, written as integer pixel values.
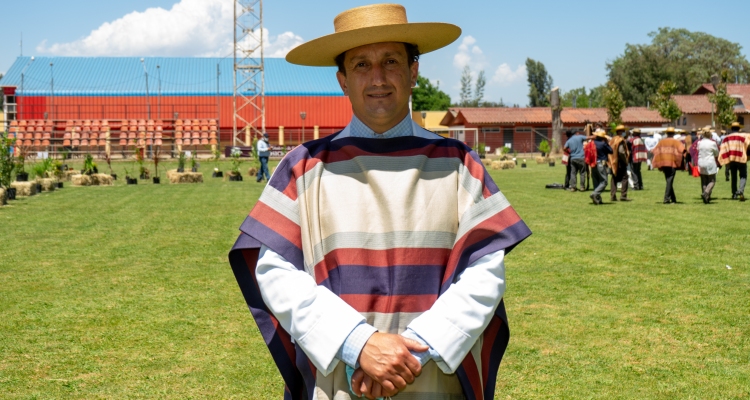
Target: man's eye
(359, 65)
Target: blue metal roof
(124, 76)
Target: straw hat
(620, 128)
(670, 130)
(736, 125)
(600, 133)
(636, 131)
(377, 23)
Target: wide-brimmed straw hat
(670, 130)
(620, 128)
(600, 133)
(377, 23)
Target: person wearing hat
(600, 172)
(263, 154)
(618, 162)
(668, 156)
(577, 162)
(733, 153)
(707, 152)
(373, 262)
(638, 156)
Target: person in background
(618, 162)
(734, 152)
(263, 154)
(638, 156)
(651, 143)
(707, 153)
(577, 162)
(600, 172)
(566, 160)
(668, 156)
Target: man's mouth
(379, 95)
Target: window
(684, 121)
(490, 130)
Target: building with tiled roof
(697, 109)
(523, 129)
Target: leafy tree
(724, 104)
(540, 83)
(479, 89)
(583, 99)
(614, 103)
(465, 95)
(426, 97)
(664, 102)
(686, 58)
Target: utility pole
(249, 79)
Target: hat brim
(322, 52)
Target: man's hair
(569, 133)
(735, 129)
(412, 55)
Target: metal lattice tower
(249, 80)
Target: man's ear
(414, 73)
(342, 82)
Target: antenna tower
(249, 80)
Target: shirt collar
(357, 128)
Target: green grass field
(126, 292)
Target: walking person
(668, 156)
(638, 156)
(734, 151)
(263, 154)
(708, 152)
(577, 161)
(600, 172)
(566, 161)
(618, 162)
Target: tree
(582, 98)
(663, 101)
(614, 103)
(540, 83)
(465, 95)
(479, 89)
(426, 97)
(724, 104)
(686, 58)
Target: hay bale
(3, 201)
(67, 176)
(541, 160)
(184, 177)
(80, 180)
(496, 165)
(24, 188)
(48, 185)
(101, 180)
(487, 162)
(252, 171)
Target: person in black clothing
(566, 185)
(600, 172)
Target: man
(263, 154)
(668, 156)
(566, 161)
(600, 172)
(639, 155)
(577, 160)
(618, 162)
(651, 143)
(733, 153)
(373, 262)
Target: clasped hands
(386, 365)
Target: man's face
(378, 82)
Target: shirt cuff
(354, 343)
(424, 356)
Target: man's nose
(377, 75)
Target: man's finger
(414, 367)
(377, 390)
(367, 387)
(357, 378)
(415, 346)
(405, 371)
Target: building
(430, 120)
(523, 129)
(61, 89)
(697, 109)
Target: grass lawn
(126, 292)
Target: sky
(574, 40)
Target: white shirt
(320, 322)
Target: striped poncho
(734, 148)
(387, 225)
(639, 153)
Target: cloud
(505, 76)
(189, 28)
(469, 54)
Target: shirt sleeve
(316, 319)
(460, 315)
(354, 343)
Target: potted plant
(544, 147)
(21, 174)
(65, 153)
(235, 174)
(480, 149)
(216, 157)
(515, 157)
(143, 172)
(523, 164)
(181, 162)
(7, 165)
(128, 179)
(39, 170)
(89, 166)
(57, 172)
(155, 158)
(194, 162)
